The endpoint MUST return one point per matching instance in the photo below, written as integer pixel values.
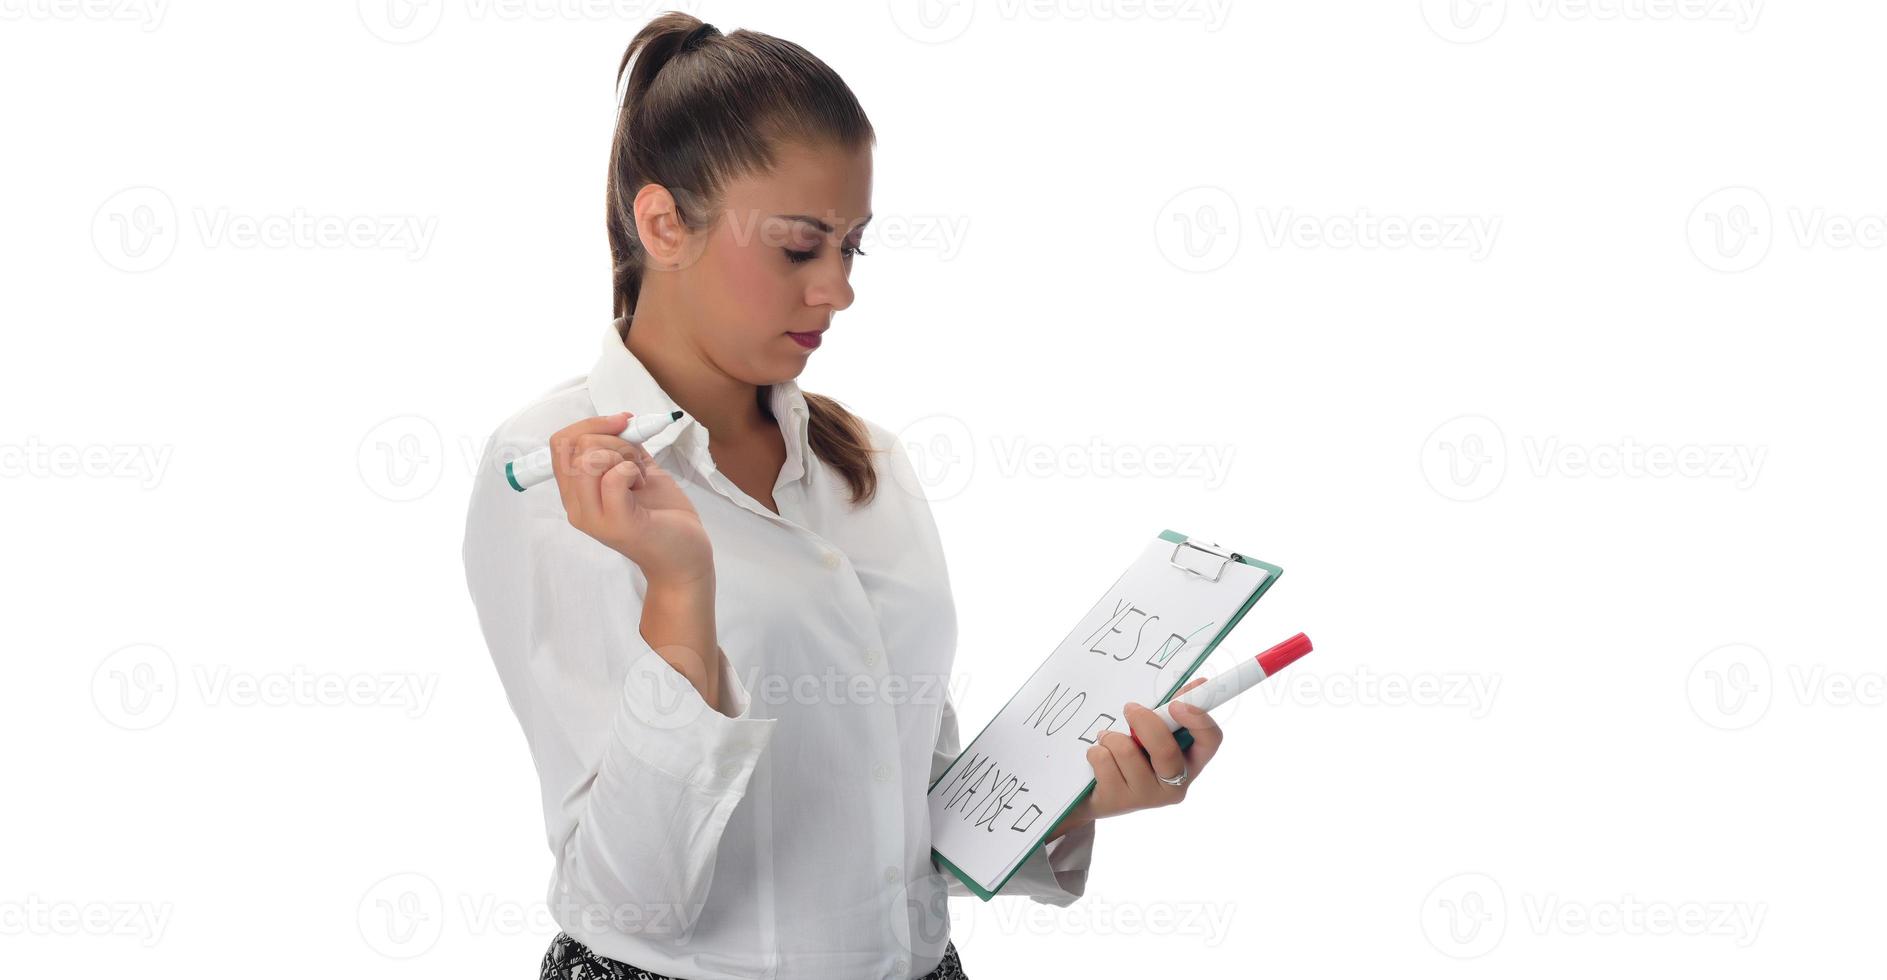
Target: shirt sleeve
(639, 774)
(1054, 874)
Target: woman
(730, 647)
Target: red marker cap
(1284, 654)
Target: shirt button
(901, 966)
(881, 772)
(729, 770)
(891, 874)
(871, 658)
(830, 559)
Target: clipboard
(1201, 560)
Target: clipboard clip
(1225, 558)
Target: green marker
(529, 471)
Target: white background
(1581, 509)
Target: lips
(810, 341)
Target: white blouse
(793, 839)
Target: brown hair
(702, 108)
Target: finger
(565, 446)
(1142, 785)
(623, 448)
(616, 493)
(586, 478)
(1162, 747)
(1207, 736)
(606, 424)
(1107, 775)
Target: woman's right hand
(615, 492)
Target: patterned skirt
(568, 959)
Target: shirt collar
(621, 383)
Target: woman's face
(776, 265)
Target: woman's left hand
(1127, 779)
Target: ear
(664, 238)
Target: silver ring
(1184, 771)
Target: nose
(832, 285)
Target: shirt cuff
(668, 725)
(1057, 873)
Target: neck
(726, 405)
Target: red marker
(1231, 684)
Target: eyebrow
(816, 223)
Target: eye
(797, 257)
